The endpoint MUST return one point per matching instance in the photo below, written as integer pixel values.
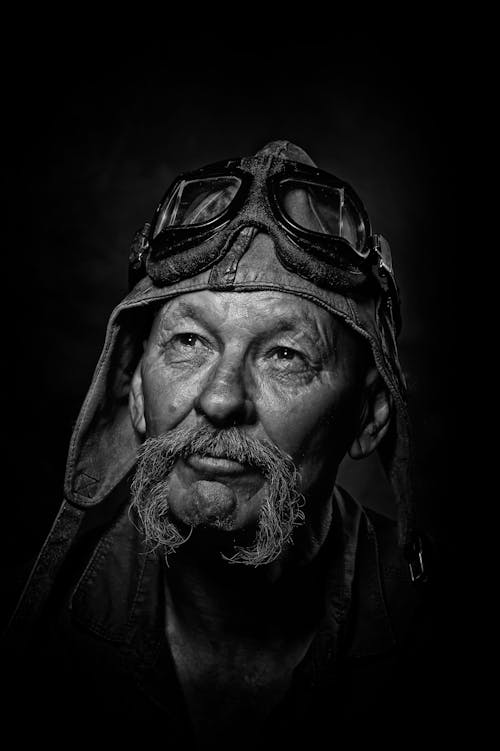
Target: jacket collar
(120, 595)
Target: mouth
(212, 465)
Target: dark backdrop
(95, 136)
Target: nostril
(225, 402)
(226, 413)
(226, 396)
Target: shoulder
(383, 588)
(402, 598)
(408, 602)
(389, 649)
(391, 561)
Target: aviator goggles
(320, 226)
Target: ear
(136, 400)
(375, 416)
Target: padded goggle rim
(282, 171)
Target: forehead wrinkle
(284, 320)
(323, 337)
(180, 309)
(297, 323)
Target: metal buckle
(415, 558)
(383, 250)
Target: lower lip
(214, 465)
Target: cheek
(168, 398)
(313, 425)
(297, 426)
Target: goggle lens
(195, 202)
(323, 209)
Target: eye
(288, 361)
(286, 353)
(185, 346)
(187, 340)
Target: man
(204, 573)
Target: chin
(233, 506)
(216, 505)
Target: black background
(98, 136)
(96, 132)
(95, 135)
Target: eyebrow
(311, 332)
(182, 309)
(185, 309)
(292, 322)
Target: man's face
(276, 367)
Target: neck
(208, 593)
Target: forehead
(257, 310)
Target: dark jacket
(89, 633)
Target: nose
(225, 400)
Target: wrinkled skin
(279, 368)
(276, 366)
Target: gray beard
(281, 510)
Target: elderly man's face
(275, 366)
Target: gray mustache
(281, 510)
(229, 443)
